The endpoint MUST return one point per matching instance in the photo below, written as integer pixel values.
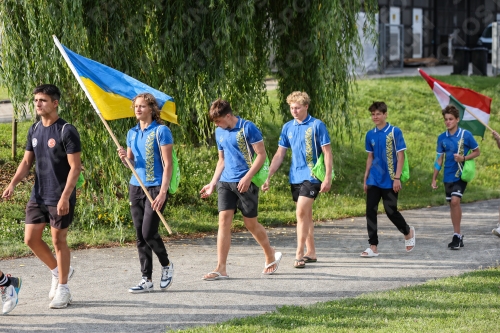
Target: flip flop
(299, 265)
(411, 241)
(218, 276)
(309, 259)
(277, 259)
(369, 253)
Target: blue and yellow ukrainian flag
(113, 91)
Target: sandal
(411, 241)
(309, 259)
(276, 263)
(297, 263)
(369, 253)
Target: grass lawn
(467, 303)
(412, 107)
(3, 93)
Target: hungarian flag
(462, 99)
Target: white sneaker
(62, 298)
(10, 295)
(496, 231)
(55, 283)
(143, 286)
(167, 273)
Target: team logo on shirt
(290, 136)
(373, 143)
(132, 138)
(221, 139)
(51, 143)
(34, 142)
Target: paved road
(102, 303)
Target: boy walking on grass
(454, 144)
(385, 146)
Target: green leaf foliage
(195, 51)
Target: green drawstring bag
(468, 168)
(319, 169)
(176, 171)
(176, 174)
(261, 176)
(405, 172)
(80, 181)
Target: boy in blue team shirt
(307, 137)
(237, 141)
(455, 144)
(385, 146)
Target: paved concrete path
(101, 302)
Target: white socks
(63, 286)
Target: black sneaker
(456, 243)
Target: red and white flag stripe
(475, 102)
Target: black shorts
(306, 189)
(231, 199)
(36, 213)
(455, 189)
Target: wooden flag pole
(131, 167)
(129, 164)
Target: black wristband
(397, 178)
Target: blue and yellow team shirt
(305, 139)
(146, 152)
(452, 144)
(237, 158)
(384, 148)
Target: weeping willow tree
(317, 45)
(194, 50)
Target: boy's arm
(75, 163)
(396, 184)
(246, 181)
(166, 155)
(328, 158)
(497, 138)
(275, 164)
(369, 161)
(209, 188)
(21, 172)
(437, 166)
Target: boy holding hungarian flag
(453, 148)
